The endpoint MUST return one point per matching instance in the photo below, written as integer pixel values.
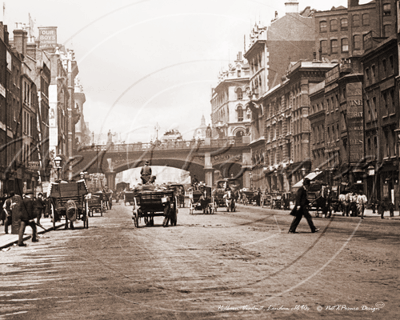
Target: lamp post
(57, 163)
(371, 173)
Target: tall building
(229, 115)
(271, 52)
(347, 37)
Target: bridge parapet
(178, 145)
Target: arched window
(239, 94)
(239, 111)
(240, 133)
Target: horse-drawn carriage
(226, 193)
(150, 202)
(201, 199)
(68, 200)
(247, 196)
(95, 203)
(129, 197)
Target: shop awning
(311, 176)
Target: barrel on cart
(151, 203)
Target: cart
(151, 203)
(201, 200)
(247, 196)
(95, 203)
(276, 202)
(219, 192)
(68, 200)
(129, 197)
(266, 200)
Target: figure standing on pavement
(7, 211)
(361, 201)
(145, 173)
(302, 208)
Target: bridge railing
(167, 145)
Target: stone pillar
(110, 176)
(209, 170)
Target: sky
(148, 63)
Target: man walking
(302, 208)
(25, 214)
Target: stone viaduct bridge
(231, 157)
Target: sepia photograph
(185, 159)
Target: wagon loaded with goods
(68, 200)
(201, 199)
(150, 202)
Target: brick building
(381, 116)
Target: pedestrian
(23, 212)
(7, 211)
(39, 206)
(2, 211)
(361, 201)
(347, 203)
(342, 203)
(381, 208)
(301, 207)
(145, 173)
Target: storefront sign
(47, 37)
(34, 165)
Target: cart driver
(145, 173)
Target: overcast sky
(145, 62)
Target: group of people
(23, 209)
(353, 204)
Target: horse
(230, 201)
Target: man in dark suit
(145, 173)
(25, 215)
(302, 208)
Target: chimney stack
(291, 7)
(352, 3)
(20, 40)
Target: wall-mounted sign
(47, 37)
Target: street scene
(240, 265)
(205, 159)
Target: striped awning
(311, 176)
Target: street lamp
(57, 163)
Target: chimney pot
(292, 7)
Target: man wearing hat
(145, 173)
(302, 208)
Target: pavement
(7, 240)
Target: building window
(387, 9)
(324, 46)
(334, 46)
(387, 30)
(384, 67)
(392, 106)
(391, 64)
(356, 20)
(344, 24)
(356, 42)
(345, 45)
(239, 94)
(323, 26)
(365, 19)
(373, 72)
(334, 25)
(239, 111)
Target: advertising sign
(47, 37)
